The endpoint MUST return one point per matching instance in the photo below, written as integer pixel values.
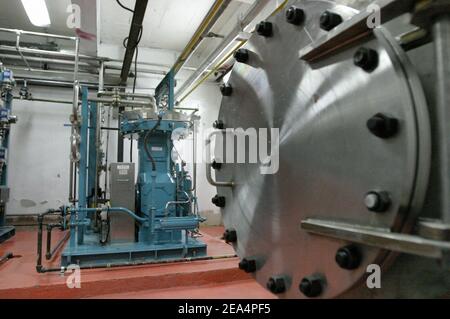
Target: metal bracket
(354, 29)
(378, 237)
(209, 165)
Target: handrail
(209, 165)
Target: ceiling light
(37, 12)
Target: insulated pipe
(205, 27)
(251, 14)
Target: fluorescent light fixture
(37, 12)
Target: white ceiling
(168, 24)
(12, 15)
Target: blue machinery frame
(6, 84)
(163, 216)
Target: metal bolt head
(295, 15)
(311, 286)
(264, 29)
(383, 126)
(219, 125)
(378, 202)
(248, 265)
(219, 201)
(216, 165)
(366, 59)
(348, 257)
(230, 236)
(330, 20)
(276, 285)
(242, 55)
(226, 89)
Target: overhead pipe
(41, 59)
(251, 14)
(39, 34)
(205, 27)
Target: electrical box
(122, 192)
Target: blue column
(92, 164)
(82, 166)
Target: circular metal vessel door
(331, 157)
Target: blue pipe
(82, 167)
(111, 210)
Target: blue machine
(7, 83)
(165, 214)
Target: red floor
(219, 278)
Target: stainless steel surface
(441, 37)
(434, 229)
(329, 160)
(122, 225)
(353, 30)
(378, 237)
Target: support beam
(133, 38)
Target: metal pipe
(143, 263)
(70, 55)
(32, 99)
(209, 165)
(41, 217)
(194, 159)
(91, 73)
(39, 34)
(6, 257)
(147, 71)
(126, 94)
(59, 244)
(110, 210)
(441, 37)
(171, 203)
(50, 228)
(77, 59)
(41, 59)
(205, 27)
(55, 83)
(251, 14)
(121, 102)
(20, 53)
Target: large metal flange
(331, 156)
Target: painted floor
(218, 278)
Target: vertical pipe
(82, 171)
(101, 87)
(92, 154)
(77, 59)
(441, 37)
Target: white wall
(207, 98)
(39, 153)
